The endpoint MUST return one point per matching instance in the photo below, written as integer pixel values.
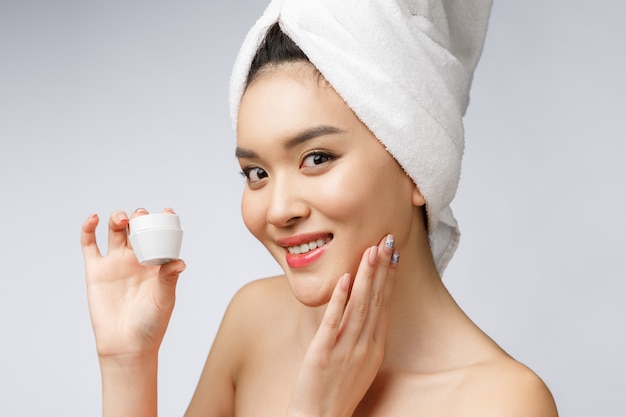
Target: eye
(254, 174)
(316, 158)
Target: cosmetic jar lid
(154, 221)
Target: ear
(416, 197)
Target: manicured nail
(390, 242)
(168, 210)
(395, 258)
(121, 217)
(141, 210)
(372, 255)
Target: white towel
(405, 68)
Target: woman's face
(320, 187)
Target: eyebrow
(305, 135)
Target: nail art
(395, 258)
(390, 242)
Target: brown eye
(254, 174)
(316, 158)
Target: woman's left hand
(344, 356)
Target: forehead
(299, 68)
(287, 98)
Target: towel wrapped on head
(405, 68)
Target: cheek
(368, 206)
(252, 214)
(366, 196)
(337, 194)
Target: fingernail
(121, 217)
(345, 282)
(390, 242)
(141, 210)
(168, 210)
(395, 258)
(372, 255)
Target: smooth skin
(314, 341)
(130, 307)
(349, 340)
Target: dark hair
(275, 49)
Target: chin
(311, 295)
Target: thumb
(170, 271)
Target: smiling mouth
(307, 247)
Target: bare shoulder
(276, 285)
(246, 320)
(254, 311)
(260, 298)
(507, 388)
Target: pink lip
(304, 259)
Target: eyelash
(329, 157)
(245, 172)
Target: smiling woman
(337, 189)
(317, 173)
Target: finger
(326, 335)
(359, 304)
(165, 295)
(380, 299)
(88, 238)
(170, 271)
(138, 212)
(168, 210)
(380, 331)
(117, 230)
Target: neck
(426, 327)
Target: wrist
(129, 372)
(129, 385)
(128, 361)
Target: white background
(116, 104)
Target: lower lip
(305, 259)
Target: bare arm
(130, 307)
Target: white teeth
(305, 247)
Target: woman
(349, 329)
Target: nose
(287, 204)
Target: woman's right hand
(348, 349)
(130, 304)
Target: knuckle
(378, 299)
(361, 354)
(332, 322)
(386, 307)
(378, 355)
(361, 310)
